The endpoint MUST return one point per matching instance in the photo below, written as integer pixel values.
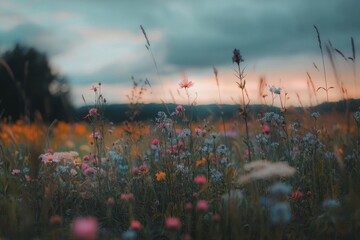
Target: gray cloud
(275, 28)
(44, 39)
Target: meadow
(284, 174)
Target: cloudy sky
(92, 41)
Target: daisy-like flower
(185, 83)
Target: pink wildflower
(86, 158)
(155, 142)
(84, 228)
(84, 166)
(55, 220)
(297, 194)
(185, 83)
(88, 171)
(202, 206)
(15, 171)
(179, 109)
(266, 129)
(93, 111)
(127, 197)
(200, 179)
(216, 217)
(135, 225)
(188, 206)
(173, 223)
(198, 131)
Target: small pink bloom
(187, 237)
(200, 179)
(247, 153)
(297, 194)
(27, 178)
(15, 171)
(55, 220)
(198, 131)
(185, 83)
(202, 206)
(84, 166)
(84, 228)
(127, 197)
(86, 158)
(180, 144)
(93, 111)
(173, 223)
(155, 142)
(266, 129)
(89, 171)
(135, 225)
(50, 151)
(188, 206)
(179, 109)
(296, 149)
(96, 135)
(216, 217)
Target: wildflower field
(282, 174)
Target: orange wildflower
(160, 176)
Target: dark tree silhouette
(28, 86)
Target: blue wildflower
(280, 213)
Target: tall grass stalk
(239, 73)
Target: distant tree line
(30, 88)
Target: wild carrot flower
(84, 228)
(185, 83)
(160, 176)
(202, 206)
(173, 223)
(200, 179)
(135, 225)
